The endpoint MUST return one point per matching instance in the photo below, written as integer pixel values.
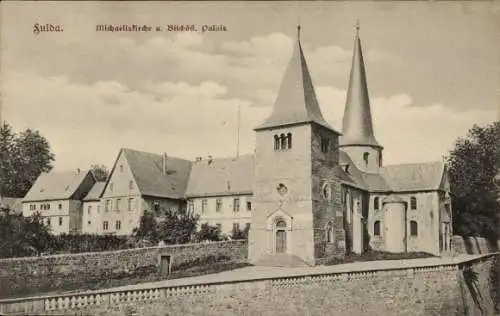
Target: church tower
(358, 139)
(296, 216)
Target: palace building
(308, 194)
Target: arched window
(283, 141)
(280, 224)
(413, 228)
(376, 202)
(413, 203)
(289, 138)
(276, 142)
(365, 157)
(376, 228)
(329, 232)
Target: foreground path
(262, 272)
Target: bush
(208, 233)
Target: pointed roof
(296, 102)
(357, 127)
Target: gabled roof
(96, 192)
(148, 174)
(56, 185)
(226, 176)
(397, 178)
(414, 177)
(296, 102)
(357, 127)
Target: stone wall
(22, 276)
(473, 245)
(452, 289)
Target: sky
(433, 71)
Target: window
(111, 186)
(249, 205)
(105, 225)
(89, 209)
(376, 228)
(376, 202)
(130, 201)
(236, 226)
(48, 221)
(276, 142)
(283, 141)
(130, 185)
(204, 204)
(365, 157)
(236, 205)
(48, 206)
(60, 221)
(218, 205)
(329, 232)
(413, 228)
(190, 206)
(106, 208)
(98, 208)
(118, 225)
(280, 224)
(325, 144)
(156, 207)
(289, 140)
(247, 226)
(413, 203)
(60, 206)
(89, 222)
(118, 204)
(121, 168)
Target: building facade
(58, 197)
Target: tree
(100, 172)
(208, 232)
(177, 227)
(473, 165)
(237, 233)
(23, 157)
(148, 228)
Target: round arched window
(280, 224)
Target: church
(308, 194)
(319, 193)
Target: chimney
(164, 163)
(198, 158)
(76, 172)
(209, 159)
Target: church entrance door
(280, 241)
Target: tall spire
(296, 102)
(357, 127)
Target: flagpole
(238, 134)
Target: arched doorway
(280, 236)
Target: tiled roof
(397, 178)
(414, 177)
(55, 185)
(96, 191)
(296, 102)
(221, 177)
(147, 170)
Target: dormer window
(282, 141)
(365, 157)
